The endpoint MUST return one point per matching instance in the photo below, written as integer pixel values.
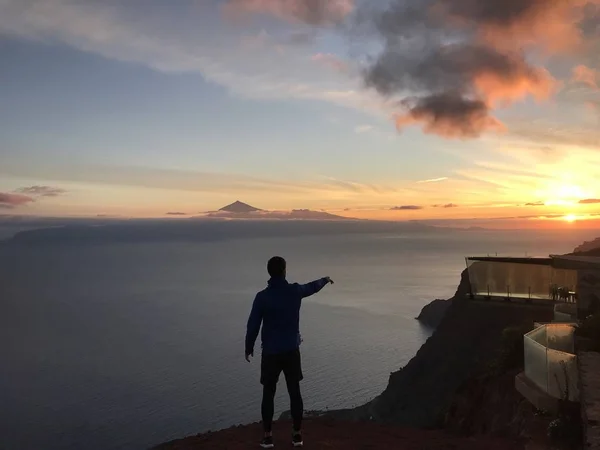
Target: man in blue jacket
(278, 309)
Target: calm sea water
(124, 346)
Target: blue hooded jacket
(278, 309)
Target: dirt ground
(331, 435)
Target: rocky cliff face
(466, 340)
(432, 314)
(489, 405)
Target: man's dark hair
(276, 267)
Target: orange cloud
(8, 200)
(585, 75)
(551, 24)
(522, 80)
(470, 55)
(313, 12)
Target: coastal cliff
(432, 314)
(467, 340)
(461, 381)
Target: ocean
(126, 345)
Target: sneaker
(297, 440)
(267, 442)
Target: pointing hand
(329, 280)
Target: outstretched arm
(313, 287)
(253, 327)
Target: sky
(387, 109)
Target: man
(278, 309)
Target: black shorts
(272, 365)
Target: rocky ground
(331, 435)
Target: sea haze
(126, 338)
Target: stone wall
(589, 373)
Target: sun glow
(570, 218)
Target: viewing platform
(572, 281)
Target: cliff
(460, 381)
(432, 314)
(468, 339)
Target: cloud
(106, 29)
(585, 75)
(176, 213)
(552, 24)
(8, 200)
(313, 12)
(535, 204)
(450, 205)
(448, 115)
(589, 201)
(41, 191)
(433, 180)
(450, 65)
(363, 128)
(406, 208)
(331, 61)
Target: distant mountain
(239, 207)
(241, 210)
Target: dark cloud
(447, 205)
(8, 200)
(312, 12)
(589, 201)
(176, 213)
(406, 208)
(450, 64)
(590, 23)
(449, 115)
(535, 204)
(41, 191)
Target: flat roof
(572, 262)
(576, 262)
(515, 260)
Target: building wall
(588, 292)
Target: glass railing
(550, 362)
(521, 280)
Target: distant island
(241, 210)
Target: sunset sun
(570, 218)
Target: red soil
(331, 435)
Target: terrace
(557, 370)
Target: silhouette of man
(278, 309)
